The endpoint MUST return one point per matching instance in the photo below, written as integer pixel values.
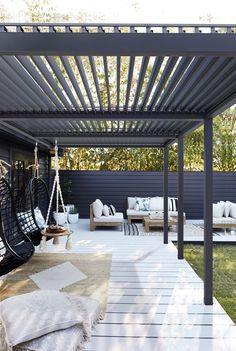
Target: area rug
(95, 266)
(131, 229)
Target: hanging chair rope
(36, 165)
(59, 198)
(3, 169)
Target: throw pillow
(227, 206)
(112, 210)
(22, 217)
(29, 316)
(142, 204)
(159, 203)
(131, 203)
(39, 218)
(97, 208)
(232, 210)
(154, 204)
(173, 204)
(106, 210)
(218, 210)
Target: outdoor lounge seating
(110, 220)
(136, 214)
(224, 215)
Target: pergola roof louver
(114, 85)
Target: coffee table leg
(146, 227)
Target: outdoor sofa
(104, 216)
(224, 215)
(156, 204)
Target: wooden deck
(155, 301)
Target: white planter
(69, 207)
(73, 218)
(60, 217)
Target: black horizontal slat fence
(114, 187)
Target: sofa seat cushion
(224, 220)
(138, 213)
(146, 213)
(117, 218)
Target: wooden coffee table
(148, 222)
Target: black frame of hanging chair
(28, 200)
(17, 244)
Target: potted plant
(73, 215)
(60, 216)
(66, 185)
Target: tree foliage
(131, 159)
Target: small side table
(55, 236)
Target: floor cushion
(29, 316)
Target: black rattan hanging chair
(16, 248)
(34, 197)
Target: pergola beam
(122, 44)
(123, 116)
(54, 134)
(8, 128)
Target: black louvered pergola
(127, 85)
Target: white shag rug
(58, 277)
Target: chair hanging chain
(3, 169)
(36, 165)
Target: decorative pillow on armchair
(142, 204)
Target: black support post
(165, 193)
(208, 240)
(180, 197)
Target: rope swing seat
(16, 248)
(56, 230)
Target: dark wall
(114, 188)
(12, 151)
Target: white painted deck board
(165, 331)
(171, 318)
(161, 344)
(155, 301)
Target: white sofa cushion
(146, 213)
(154, 203)
(224, 220)
(118, 217)
(227, 208)
(131, 202)
(159, 203)
(105, 210)
(232, 210)
(97, 208)
(218, 210)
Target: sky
(145, 11)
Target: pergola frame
(186, 75)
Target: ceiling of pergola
(108, 99)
